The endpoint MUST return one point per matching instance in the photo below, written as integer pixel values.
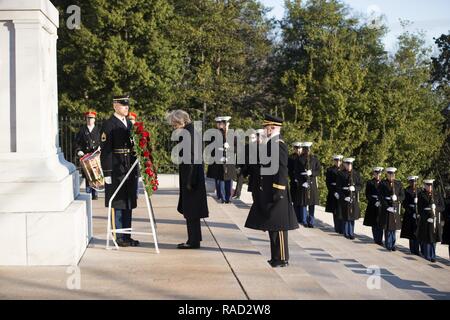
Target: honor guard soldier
(294, 183)
(117, 157)
(306, 172)
(411, 215)
(87, 141)
(373, 210)
(272, 210)
(224, 173)
(252, 170)
(331, 179)
(348, 186)
(446, 218)
(430, 229)
(392, 196)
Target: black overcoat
(446, 218)
(391, 221)
(272, 209)
(302, 196)
(348, 211)
(429, 232)
(331, 180)
(371, 218)
(410, 216)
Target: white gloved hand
(433, 206)
(309, 173)
(394, 198)
(414, 216)
(80, 153)
(347, 199)
(336, 195)
(430, 220)
(352, 188)
(391, 209)
(416, 200)
(108, 180)
(226, 145)
(377, 204)
(305, 185)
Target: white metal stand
(110, 231)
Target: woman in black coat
(192, 203)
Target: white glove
(336, 195)
(352, 188)
(226, 145)
(394, 198)
(430, 220)
(377, 204)
(80, 153)
(414, 216)
(391, 209)
(347, 199)
(108, 180)
(416, 200)
(305, 185)
(309, 173)
(433, 206)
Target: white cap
(410, 178)
(306, 144)
(220, 119)
(349, 160)
(297, 144)
(377, 169)
(428, 181)
(391, 170)
(338, 157)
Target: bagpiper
(411, 215)
(348, 186)
(373, 210)
(305, 174)
(272, 210)
(88, 141)
(392, 195)
(331, 180)
(430, 228)
(117, 158)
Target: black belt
(121, 151)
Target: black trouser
(194, 231)
(279, 245)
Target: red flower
(145, 134)
(142, 142)
(149, 172)
(146, 154)
(154, 188)
(148, 164)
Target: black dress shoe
(352, 237)
(122, 243)
(188, 246)
(133, 243)
(278, 264)
(394, 249)
(95, 198)
(310, 226)
(433, 260)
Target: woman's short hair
(179, 117)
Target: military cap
(123, 99)
(349, 160)
(413, 178)
(338, 157)
(391, 170)
(270, 120)
(377, 169)
(90, 114)
(428, 181)
(222, 119)
(306, 144)
(297, 144)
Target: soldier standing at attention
(117, 158)
(411, 216)
(332, 202)
(308, 192)
(294, 183)
(272, 210)
(392, 195)
(87, 141)
(373, 211)
(348, 186)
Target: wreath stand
(110, 232)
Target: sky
(430, 16)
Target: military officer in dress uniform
(392, 196)
(373, 210)
(87, 141)
(411, 215)
(117, 157)
(306, 173)
(224, 172)
(294, 183)
(430, 228)
(348, 186)
(272, 210)
(330, 179)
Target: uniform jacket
(446, 218)
(391, 221)
(331, 181)
(410, 217)
(223, 171)
(372, 216)
(87, 141)
(429, 232)
(117, 157)
(302, 196)
(348, 211)
(272, 209)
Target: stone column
(43, 218)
